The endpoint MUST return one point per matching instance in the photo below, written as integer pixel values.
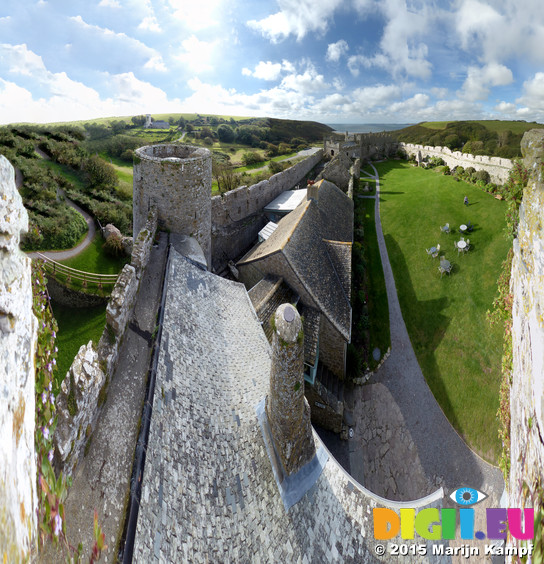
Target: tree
(138, 121)
(225, 134)
(99, 172)
(226, 178)
(181, 122)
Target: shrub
(354, 361)
(276, 167)
(482, 175)
(252, 157)
(113, 246)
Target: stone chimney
(312, 191)
(287, 409)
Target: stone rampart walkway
(408, 446)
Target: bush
(276, 167)
(113, 246)
(354, 361)
(252, 157)
(482, 175)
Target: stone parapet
(77, 406)
(141, 248)
(497, 167)
(18, 329)
(527, 286)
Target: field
(457, 349)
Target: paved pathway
(69, 253)
(404, 447)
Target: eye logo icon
(467, 496)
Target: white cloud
(268, 70)
(479, 80)
(497, 31)
(336, 50)
(109, 42)
(109, 4)
(196, 16)
(401, 49)
(309, 82)
(197, 55)
(20, 60)
(150, 23)
(438, 92)
(533, 93)
(298, 18)
(506, 108)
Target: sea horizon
(366, 127)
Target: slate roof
(299, 239)
(209, 493)
(311, 321)
(336, 212)
(340, 254)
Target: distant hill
(283, 130)
(486, 137)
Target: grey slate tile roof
(336, 212)
(299, 239)
(209, 493)
(311, 322)
(340, 254)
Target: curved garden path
(404, 447)
(69, 253)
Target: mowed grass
(77, 326)
(378, 307)
(94, 259)
(457, 349)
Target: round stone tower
(177, 181)
(287, 409)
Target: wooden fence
(71, 276)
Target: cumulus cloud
(533, 93)
(150, 23)
(113, 46)
(336, 50)
(109, 4)
(480, 79)
(20, 60)
(266, 70)
(298, 18)
(502, 30)
(197, 55)
(196, 16)
(401, 49)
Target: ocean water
(366, 127)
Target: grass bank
(458, 351)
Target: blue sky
(334, 61)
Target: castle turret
(287, 409)
(177, 181)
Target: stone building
(211, 492)
(309, 256)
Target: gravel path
(404, 447)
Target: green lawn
(93, 259)
(458, 351)
(76, 327)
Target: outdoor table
(462, 244)
(445, 264)
(463, 227)
(433, 250)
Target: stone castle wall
(18, 329)
(527, 286)
(83, 390)
(498, 168)
(237, 216)
(176, 180)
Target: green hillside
(485, 137)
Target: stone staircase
(333, 385)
